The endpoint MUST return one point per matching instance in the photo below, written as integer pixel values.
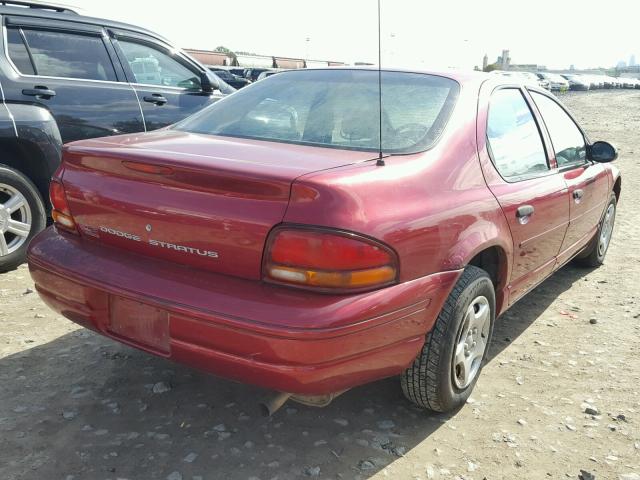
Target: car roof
(458, 75)
(70, 16)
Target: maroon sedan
(264, 239)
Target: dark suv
(66, 77)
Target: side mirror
(209, 82)
(602, 152)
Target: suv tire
(22, 216)
(443, 375)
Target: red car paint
(436, 210)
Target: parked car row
(592, 82)
(229, 78)
(574, 81)
(527, 78)
(241, 77)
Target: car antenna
(380, 161)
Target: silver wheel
(606, 230)
(15, 219)
(471, 342)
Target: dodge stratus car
(294, 237)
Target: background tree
(227, 51)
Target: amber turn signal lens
(61, 214)
(63, 220)
(327, 260)
(355, 279)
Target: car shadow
(86, 407)
(520, 316)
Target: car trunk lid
(198, 200)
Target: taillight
(326, 260)
(61, 213)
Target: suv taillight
(61, 213)
(327, 260)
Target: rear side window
(150, 66)
(568, 141)
(62, 54)
(18, 52)
(514, 139)
(335, 108)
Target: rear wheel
(443, 375)
(594, 255)
(22, 215)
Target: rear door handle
(578, 194)
(40, 92)
(524, 212)
(156, 98)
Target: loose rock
(591, 410)
(191, 457)
(161, 387)
(366, 465)
(584, 475)
(312, 471)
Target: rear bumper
(270, 336)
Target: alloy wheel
(606, 230)
(15, 219)
(471, 342)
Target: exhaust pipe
(273, 403)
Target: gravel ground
(559, 395)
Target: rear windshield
(335, 108)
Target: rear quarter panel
(433, 208)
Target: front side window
(514, 139)
(60, 54)
(568, 142)
(150, 66)
(335, 108)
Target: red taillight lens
(61, 213)
(327, 260)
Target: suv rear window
(18, 52)
(60, 54)
(335, 108)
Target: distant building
(632, 60)
(621, 64)
(485, 62)
(504, 60)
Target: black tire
(16, 180)
(429, 381)
(593, 255)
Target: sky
(420, 33)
